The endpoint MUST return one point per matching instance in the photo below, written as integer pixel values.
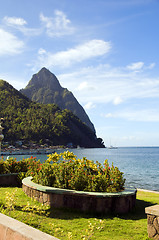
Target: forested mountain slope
(30, 121)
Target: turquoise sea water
(139, 164)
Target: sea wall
(121, 202)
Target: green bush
(11, 165)
(64, 170)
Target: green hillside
(30, 121)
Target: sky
(106, 52)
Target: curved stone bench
(121, 202)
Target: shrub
(11, 165)
(64, 170)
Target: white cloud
(80, 53)
(30, 31)
(142, 115)
(10, 44)
(105, 84)
(19, 24)
(82, 85)
(41, 51)
(57, 26)
(151, 66)
(136, 66)
(89, 105)
(14, 21)
(108, 115)
(117, 100)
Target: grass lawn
(65, 224)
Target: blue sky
(105, 51)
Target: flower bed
(64, 170)
(63, 181)
(119, 202)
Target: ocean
(140, 165)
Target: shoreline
(25, 152)
(145, 190)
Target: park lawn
(67, 224)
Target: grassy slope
(60, 222)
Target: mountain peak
(45, 88)
(44, 79)
(44, 69)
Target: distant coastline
(25, 152)
(48, 150)
(11, 150)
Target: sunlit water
(139, 164)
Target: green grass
(60, 222)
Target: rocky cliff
(45, 88)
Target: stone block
(156, 225)
(91, 204)
(106, 206)
(13, 235)
(150, 219)
(45, 197)
(153, 210)
(9, 234)
(56, 200)
(156, 237)
(151, 231)
(41, 198)
(3, 230)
